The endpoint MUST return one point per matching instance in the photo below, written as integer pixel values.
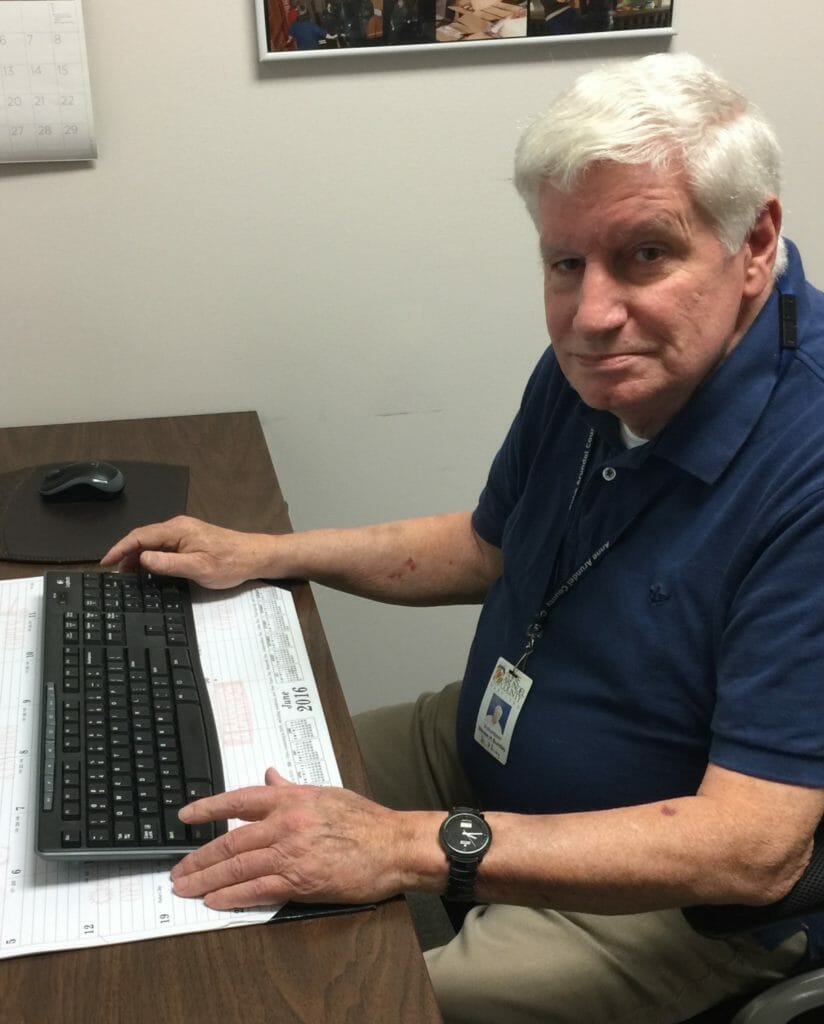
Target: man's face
(642, 300)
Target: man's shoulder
(548, 402)
(547, 384)
(811, 341)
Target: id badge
(498, 714)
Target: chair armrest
(785, 1001)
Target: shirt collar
(706, 434)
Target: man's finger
(169, 563)
(230, 846)
(154, 535)
(248, 804)
(274, 778)
(128, 547)
(238, 856)
(260, 892)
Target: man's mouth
(605, 361)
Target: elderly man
(645, 552)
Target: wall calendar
(45, 100)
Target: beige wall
(335, 244)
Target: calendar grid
(45, 99)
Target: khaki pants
(521, 965)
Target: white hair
(664, 110)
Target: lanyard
(535, 629)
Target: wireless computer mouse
(82, 481)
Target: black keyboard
(127, 735)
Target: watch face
(466, 833)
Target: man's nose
(601, 304)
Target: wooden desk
(358, 968)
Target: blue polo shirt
(699, 634)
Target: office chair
(786, 1001)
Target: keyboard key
(124, 834)
(197, 789)
(173, 827)
(149, 830)
(194, 749)
(202, 833)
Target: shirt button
(608, 473)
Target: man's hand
(210, 555)
(305, 843)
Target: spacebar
(194, 750)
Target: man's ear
(760, 247)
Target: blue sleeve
(767, 719)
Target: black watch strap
(461, 883)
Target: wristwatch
(465, 837)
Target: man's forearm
(739, 840)
(424, 561)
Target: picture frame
(324, 29)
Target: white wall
(335, 244)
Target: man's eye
(648, 254)
(567, 266)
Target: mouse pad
(34, 530)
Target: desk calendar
(267, 712)
(46, 110)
